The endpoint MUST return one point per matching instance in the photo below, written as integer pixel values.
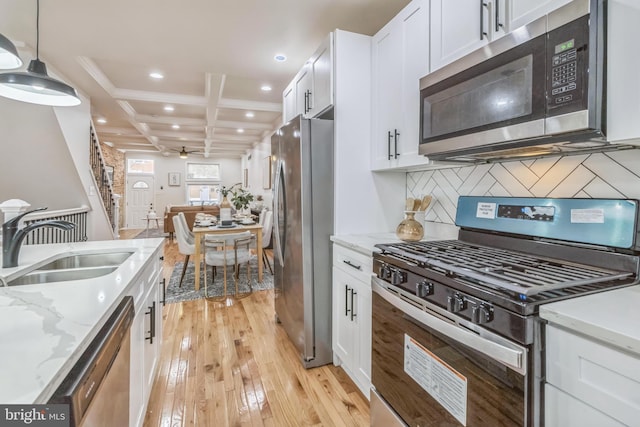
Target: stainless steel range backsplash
(606, 175)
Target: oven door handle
(512, 357)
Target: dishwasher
(97, 387)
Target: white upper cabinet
(311, 91)
(462, 26)
(522, 12)
(400, 58)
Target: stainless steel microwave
(536, 91)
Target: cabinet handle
(483, 34)
(389, 136)
(152, 322)
(350, 264)
(353, 313)
(305, 102)
(309, 99)
(346, 296)
(498, 24)
(395, 138)
(164, 291)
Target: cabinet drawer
(354, 263)
(603, 377)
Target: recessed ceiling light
(169, 108)
(101, 121)
(241, 130)
(156, 75)
(249, 114)
(280, 57)
(175, 126)
(265, 88)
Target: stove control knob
(424, 288)
(384, 272)
(398, 276)
(456, 303)
(481, 313)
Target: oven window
(495, 394)
(503, 93)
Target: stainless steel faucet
(12, 237)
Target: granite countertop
(365, 243)
(611, 316)
(44, 328)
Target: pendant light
(183, 154)
(34, 85)
(9, 58)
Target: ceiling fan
(183, 154)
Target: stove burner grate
(503, 269)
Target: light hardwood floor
(229, 364)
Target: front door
(139, 199)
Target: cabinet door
(400, 59)
(387, 93)
(289, 103)
(136, 379)
(151, 348)
(363, 337)
(343, 325)
(415, 65)
(522, 12)
(321, 65)
(303, 82)
(457, 28)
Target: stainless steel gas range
(456, 336)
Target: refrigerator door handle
(279, 252)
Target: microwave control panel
(567, 60)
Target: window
(140, 184)
(140, 166)
(203, 172)
(203, 194)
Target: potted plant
(241, 198)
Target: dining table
(200, 231)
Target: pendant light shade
(35, 85)
(183, 154)
(9, 58)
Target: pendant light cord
(37, 29)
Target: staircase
(103, 182)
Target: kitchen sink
(47, 276)
(72, 267)
(87, 260)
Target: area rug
(151, 233)
(174, 293)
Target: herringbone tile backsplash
(601, 175)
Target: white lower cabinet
(589, 383)
(146, 337)
(352, 315)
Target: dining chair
(221, 250)
(262, 215)
(185, 226)
(185, 247)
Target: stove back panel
(602, 222)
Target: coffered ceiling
(215, 55)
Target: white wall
(255, 162)
(231, 173)
(35, 162)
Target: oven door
(436, 371)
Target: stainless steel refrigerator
(303, 223)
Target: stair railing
(102, 178)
